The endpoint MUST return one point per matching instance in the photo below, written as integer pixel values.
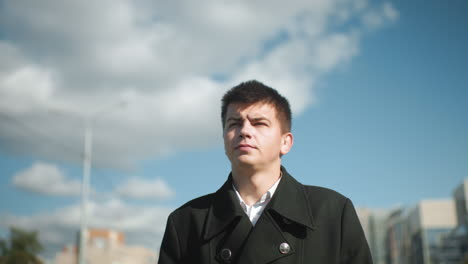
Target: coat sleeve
(354, 247)
(170, 246)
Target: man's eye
(260, 124)
(232, 124)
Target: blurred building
(429, 223)
(397, 240)
(460, 196)
(373, 222)
(107, 247)
(455, 244)
(364, 217)
(432, 232)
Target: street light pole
(88, 142)
(85, 186)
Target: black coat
(301, 224)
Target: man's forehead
(259, 108)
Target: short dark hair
(253, 91)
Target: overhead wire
(41, 134)
(24, 128)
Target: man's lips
(244, 147)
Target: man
(262, 214)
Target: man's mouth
(244, 147)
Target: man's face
(253, 136)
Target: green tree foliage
(22, 247)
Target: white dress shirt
(254, 211)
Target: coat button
(225, 254)
(284, 248)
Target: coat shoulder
(321, 197)
(317, 194)
(323, 193)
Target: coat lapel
(263, 244)
(226, 226)
(230, 246)
(223, 211)
(291, 202)
(284, 221)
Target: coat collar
(289, 200)
(224, 209)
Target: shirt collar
(265, 197)
(225, 205)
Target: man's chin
(245, 161)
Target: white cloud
(140, 188)
(141, 225)
(390, 12)
(161, 56)
(46, 179)
(376, 18)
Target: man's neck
(252, 184)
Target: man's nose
(246, 130)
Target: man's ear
(287, 142)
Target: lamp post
(85, 184)
(88, 144)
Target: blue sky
(379, 97)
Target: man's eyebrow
(234, 119)
(260, 118)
